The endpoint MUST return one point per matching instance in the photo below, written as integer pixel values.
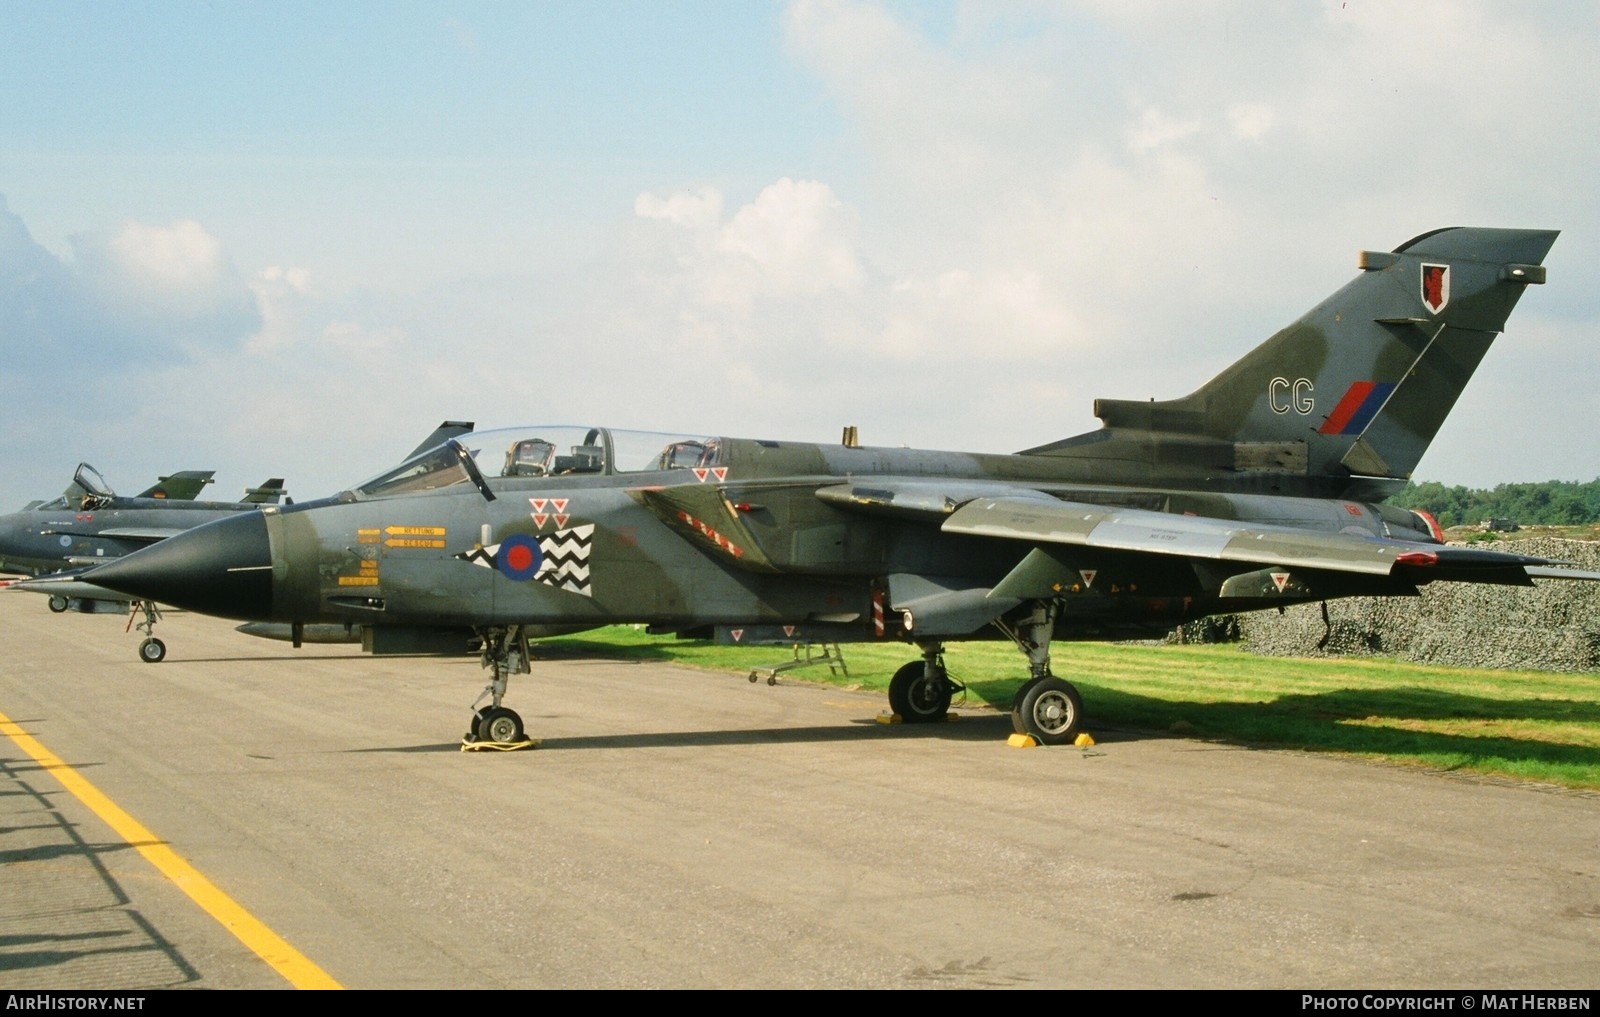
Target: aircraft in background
(91, 523)
(57, 542)
(185, 485)
(1263, 488)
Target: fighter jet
(90, 523)
(185, 485)
(1263, 488)
(40, 541)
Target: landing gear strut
(1046, 708)
(152, 650)
(920, 692)
(505, 652)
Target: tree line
(1551, 503)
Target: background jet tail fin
(185, 485)
(1361, 383)
(444, 432)
(267, 494)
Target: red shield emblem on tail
(1435, 287)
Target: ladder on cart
(814, 654)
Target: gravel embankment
(1553, 626)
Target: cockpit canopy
(88, 490)
(543, 451)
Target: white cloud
(1024, 206)
(795, 241)
(285, 296)
(1252, 120)
(179, 257)
(697, 209)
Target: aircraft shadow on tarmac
(1334, 722)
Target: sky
(290, 238)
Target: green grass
(1525, 725)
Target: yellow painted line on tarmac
(266, 944)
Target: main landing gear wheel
(920, 695)
(152, 651)
(58, 603)
(498, 724)
(1049, 710)
(1022, 690)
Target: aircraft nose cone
(222, 568)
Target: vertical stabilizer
(1360, 384)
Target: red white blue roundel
(519, 557)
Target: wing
(1220, 540)
(142, 534)
(1042, 517)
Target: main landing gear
(152, 650)
(920, 692)
(1046, 708)
(505, 652)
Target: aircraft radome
(1262, 488)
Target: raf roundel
(519, 557)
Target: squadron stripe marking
(1360, 403)
(294, 966)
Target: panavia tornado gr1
(1263, 488)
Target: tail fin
(267, 494)
(1359, 386)
(185, 485)
(441, 434)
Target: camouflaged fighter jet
(89, 523)
(57, 542)
(1263, 488)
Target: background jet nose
(221, 568)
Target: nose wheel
(152, 650)
(505, 652)
(498, 724)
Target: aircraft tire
(58, 603)
(499, 724)
(918, 698)
(1049, 710)
(152, 651)
(1022, 690)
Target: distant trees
(1552, 503)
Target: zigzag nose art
(560, 559)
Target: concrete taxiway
(248, 815)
